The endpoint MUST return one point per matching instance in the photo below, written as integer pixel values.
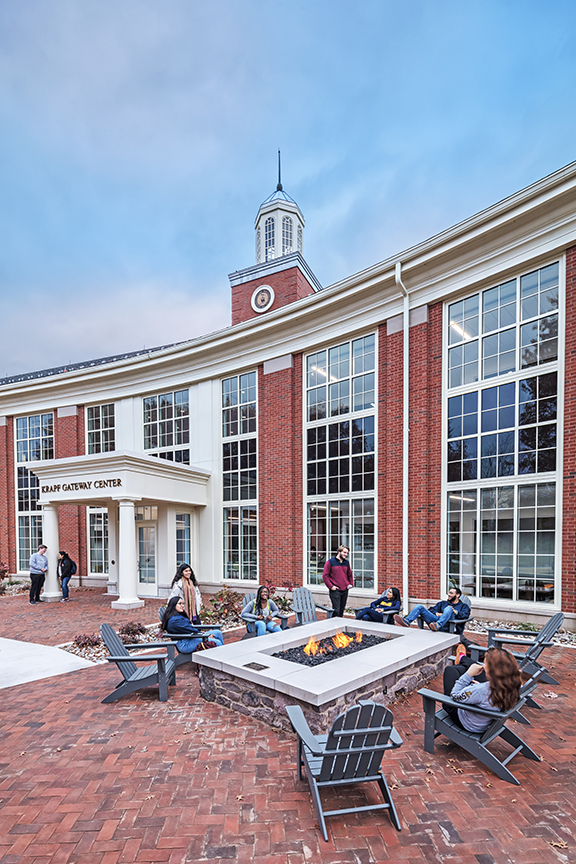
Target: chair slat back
(248, 599)
(303, 600)
(550, 629)
(116, 648)
(369, 728)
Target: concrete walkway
(21, 662)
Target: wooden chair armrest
(434, 696)
(136, 659)
(508, 631)
(300, 726)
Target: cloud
(115, 320)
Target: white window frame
(517, 480)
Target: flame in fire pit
(339, 640)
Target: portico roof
(101, 477)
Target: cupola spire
(279, 186)
(279, 224)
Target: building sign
(83, 485)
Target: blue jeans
(263, 626)
(186, 646)
(65, 582)
(430, 617)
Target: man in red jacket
(338, 578)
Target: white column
(112, 548)
(127, 561)
(50, 538)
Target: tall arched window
(286, 235)
(299, 238)
(269, 239)
(258, 246)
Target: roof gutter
(405, 432)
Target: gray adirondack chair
(181, 657)
(350, 753)
(527, 659)
(134, 678)
(305, 607)
(476, 743)
(250, 625)
(455, 625)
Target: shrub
(226, 607)
(130, 631)
(3, 574)
(283, 601)
(87, 640)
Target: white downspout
(405, 434)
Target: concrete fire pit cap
(252, 660)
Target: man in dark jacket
(437, 616)
(338, 578)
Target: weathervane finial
(279, 186)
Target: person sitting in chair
(381, 610)
(438, 616)
(500, 689)
(176, 620)
(262, 612)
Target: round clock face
(262, 298)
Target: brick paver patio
(186, 780)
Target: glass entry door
(147, 560)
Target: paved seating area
(188, 781)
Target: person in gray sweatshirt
(500, 692)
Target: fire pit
(340, 645)
(248, 677)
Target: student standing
(38, 570)
(338, 578)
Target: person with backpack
(66, 569)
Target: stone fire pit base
(267, 704)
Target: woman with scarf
(185, 586)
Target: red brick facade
(280, 537)
(390, 365)
(425, 508)
(569, 493)
(7, 497)
(289, 285)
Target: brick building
(421, 411)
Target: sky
(139, 139)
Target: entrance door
(147, 560)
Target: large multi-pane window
(100, 425)
(504, 430)
(34, 443)
(241, 543)
(501, 541)
(335, 522)
(182, 538)
(340, 456)
(508, 328)
(502, 413)
(167, 426)
(98, 540)
(239, 476)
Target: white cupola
(279, 226)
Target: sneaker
(459, 653)
(63, 600)
(32, 602)
(400, 621)
(433, 627)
